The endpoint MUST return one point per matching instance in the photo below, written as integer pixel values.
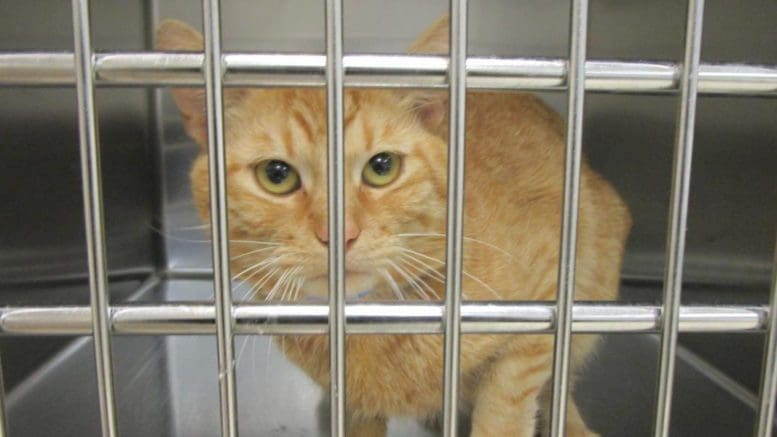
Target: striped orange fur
(513, 189)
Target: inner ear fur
(430, 106)
(177, 36)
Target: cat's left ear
(430, 106)
(177, 36)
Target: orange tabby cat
(395, 220)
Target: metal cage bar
(678, 215)
(380, 318)
(93, 215)
(222, 285)
(578, 36)
(336, 214)
(3, 426)
(457, 123)
(768, 385)
(305, 70)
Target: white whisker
(278, 284)
(465, 273)
(300, 281)
(261, 263)
(420, 278)
(422, 267)
(474, 240)
(418, 275)
(251, 252)
(259, 284)
(393, 284)
(421, 293)
(189, 228)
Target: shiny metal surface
(3, 420)
(768, 386)
(573, 156)
(454, 249)
(162, 391)
(219, 226)
(94, 215)
(336, 214)
(198, 318)
(305, 70)
(678, 215)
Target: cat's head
(276, 144)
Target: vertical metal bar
(457, 77)
(3, 426)
(225, 321)
(769, 369)
(336, 205)
(155, 141)
(578, 33)
(93, 214)
(678, 214)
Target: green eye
(277, 177)
(381, 169)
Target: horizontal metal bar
(378, 318)
(300, 70)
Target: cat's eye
(277, 177)
(381, 169)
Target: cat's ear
(430, 106)
(177, 36)
(434, 40)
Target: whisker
(190, 228)
(251, 252)
(474, 240)
(420, 279)
(393, 284)
(297, 287)
(289, 283)
(423, 268)
(465, 273)
(259, 284)
(254, 266)
(421, 293)
(278, 284)
(240, 351)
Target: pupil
(277, 171)
(381, 163)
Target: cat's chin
(356, 283)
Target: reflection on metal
(678, 215)
(336, 214)
(93, 216)
(298, 70)
(457, 123)
(578, 38)
(217, 179)
(379, 318)
(769, 367)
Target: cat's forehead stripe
(288, 141)
(367, 132)
(303, 124)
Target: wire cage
(54, 333)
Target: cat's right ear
(177, 36)
(430, 106)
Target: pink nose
(352, 232)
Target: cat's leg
(361, 426)
(506, 403)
